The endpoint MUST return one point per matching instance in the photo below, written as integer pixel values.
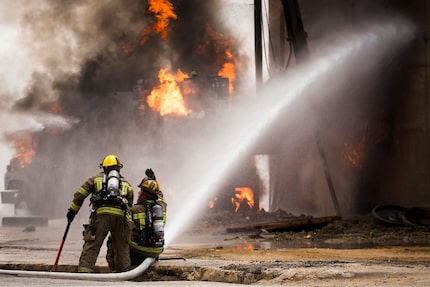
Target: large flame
(164, 12)
(243, 194)
(25, 148)
(166, 98)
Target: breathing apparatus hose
(127, 275)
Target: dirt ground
(354, 252)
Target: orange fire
(166, 98)
(243, 194)
(25, 149)
(221, 45)
(212, 202)
(246, 246)
(188, 88)
(164, 12)
(228, 71)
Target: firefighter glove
(150, 173)
(70, 215)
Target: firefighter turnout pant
(94, 236)
(137, 253)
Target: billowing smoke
(87, 59)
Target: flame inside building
(151, 91)
(125, 94)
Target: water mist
(237, 130)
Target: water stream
(242, 125)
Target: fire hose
(127, 275)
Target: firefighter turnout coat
(106, 216)
(140, 245)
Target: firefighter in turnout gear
(111, 201)
(149, 217)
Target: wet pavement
(224, 259)
(37, 249)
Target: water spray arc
(251, 121)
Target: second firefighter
(149, 217)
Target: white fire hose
(127, 275)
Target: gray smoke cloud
(87, 58)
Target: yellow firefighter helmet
(149, 185)
(111, 161)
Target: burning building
(141, 74)
(161, 84)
